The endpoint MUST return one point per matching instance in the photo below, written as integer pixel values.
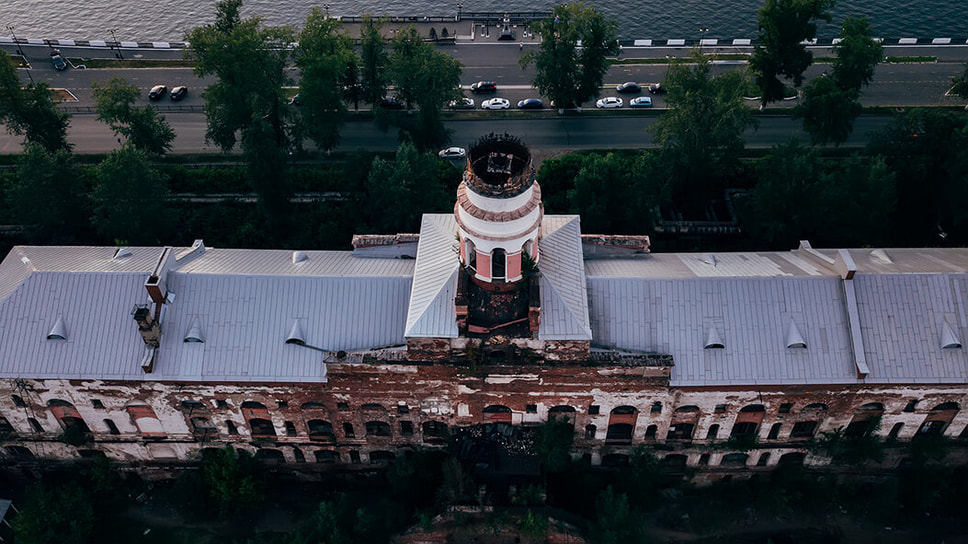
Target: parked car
(609, 102)
(58, 61)
(391, 103)
(157, 92)
(495, 104)
(179, 92)
(657, 88)
(530, 104)
(452, 153)
(629, 87)
(462, 104)
(484, 87)
(641, 102)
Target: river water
(167, 20)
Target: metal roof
(751, 316)
(564, 301)
(243, 301)
(432, 312)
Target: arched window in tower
(498, 264)
(528, 249)
(470, 254)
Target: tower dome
(498, 210)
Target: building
(494, 314)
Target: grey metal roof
(564, 301)
(903, 318)
(751, 315)
(244, 302)
(432, 312)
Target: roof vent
(59, 330)
(881, 257)
(296, 335)
(121, 253)
(710, 259)
(299, 256)
(948, 338)
(713, 340)
(794, 338)
(194, 334)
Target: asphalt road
(547, 135)
(894, 85)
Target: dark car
(530, 104)
(179, 92)
(57, 60)
(391, 103)
(657, 88)
(157, 92)
(484, 87)
(629, 87)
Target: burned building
(496, 313)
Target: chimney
(156, 284)
(148, 328)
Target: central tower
(498, 211)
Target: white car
(609, 102)
(641, 102)
(452, 153)
(495, 104)
(462, 104)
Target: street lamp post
(702, 36)
(116, 44)
(460, 8)
(20, 50)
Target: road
(894, 85)
(547, 134)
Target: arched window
(261, 427)
(681, 431)
(498, 264)
(764, 459)
(744, 429)
(377, 428)
(590, 431)
(68, 416)
(713, 432)
(497, 413)
(326, 456)
(947, 406)
(145, 419)
(752, 409)
(297, 454)
(774, 431)
(470, 253)
(619, 433)
(650, 432)
(895, 430)
(528, 248)
(815, 407)
(435, 431)
(734, 460)
(253, 405)
(624, 410)
(320, 430)
(270, 456)
(687, 409)
(872, 407)
(804, 429)
(791, 459)
(202, 428)
(380, 456)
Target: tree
(233, 480)
(615, 523)
(701, 137)
(553, 444)
(428, 78)
(828, 112)
(49, 197)
(616, 193)
(564, 73)
(323, 57)
(143, 127)
(130, 199)
(398, 192)
(63, 513)
(373, 61)
(29, 111)
(784, 26)
(959, 84)
(857, 54)
(250, 64)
